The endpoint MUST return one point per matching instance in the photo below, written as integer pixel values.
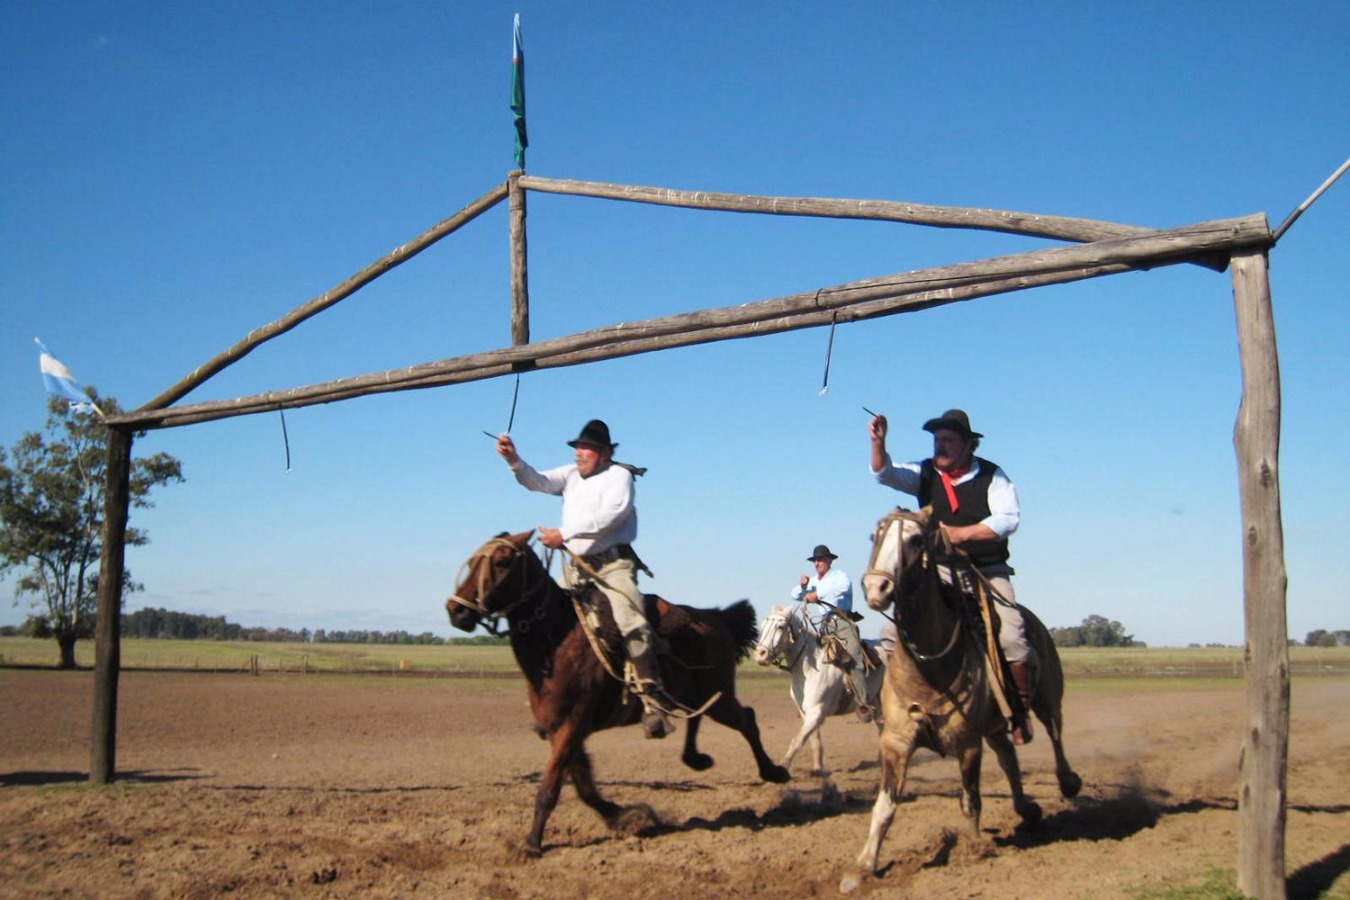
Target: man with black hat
(976, 506)
(832, 589)
(599, 525)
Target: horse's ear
(520, 539)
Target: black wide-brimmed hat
(952, 420)
(821, 552)
(595, 433)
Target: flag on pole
(61, 382)
(518, 93)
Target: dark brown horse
(573, 693)
(938, 692)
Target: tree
(1096, 631)
(1320, 638)
(51, 516)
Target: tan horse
(938, 694)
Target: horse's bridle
(786, 655)
(899, 514)
(894, 515)
(491, 618)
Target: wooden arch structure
(1099, 248)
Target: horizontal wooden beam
(397, 256)
(871, 298)
(1031, 224)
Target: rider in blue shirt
(832, 588)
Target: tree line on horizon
(166, 624)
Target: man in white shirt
(599, 525)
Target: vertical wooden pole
(520, 276)
(108, 628)
(1262, 768)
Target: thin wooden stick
(1293, 216)
(397, 256)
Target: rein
(895, 578)
(492, 618)
(787, 658)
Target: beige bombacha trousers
(618, 582)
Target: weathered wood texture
(108, 627)
(520, 270)
(854, 301)
(1262, 794)
(397, 256)
(1032, 224)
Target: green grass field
(1080, 663)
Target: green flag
(518, 93)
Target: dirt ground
(346, 786)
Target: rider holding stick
(599, 525)
(832, 589)
(976, 506)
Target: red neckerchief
(947, 479)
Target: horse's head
(898, 542)
(479, 592)
(775, 636)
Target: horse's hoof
(530, 851)
(1070, 785)
(1031, 814)
(699, 762)
(777, 775)
(851, 882)
(635, 820)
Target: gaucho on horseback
(599, 525)
(833, 589)
(976, 505)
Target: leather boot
(1021, 673)
(859, 682)
(655, 701)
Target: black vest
(973, 501)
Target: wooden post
(1262, 767)
(108, 633)
(520, 276)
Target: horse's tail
(739, 619)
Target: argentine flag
(59, 381)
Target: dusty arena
(385, 786)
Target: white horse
(788, 639)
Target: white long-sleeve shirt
(597, 512)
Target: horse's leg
(812, 716)
(895, 754)
(566, 744)
(1007, 760)
(817, 751)
(731, 713)
(691, 756)
(971, 803)
(1053, 719)
(584, 780)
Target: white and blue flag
(61, 382)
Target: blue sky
(175, 176)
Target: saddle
(837, 654)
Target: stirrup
(1022, 732)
